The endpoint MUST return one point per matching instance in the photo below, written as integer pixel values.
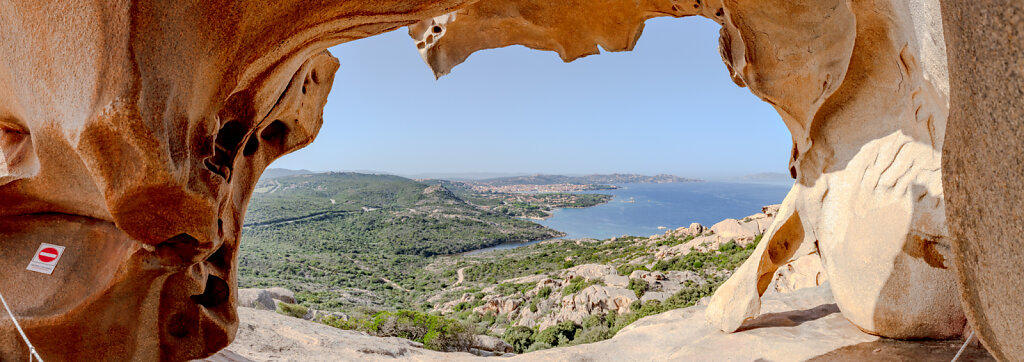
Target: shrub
(593, 320)
(544, 292)
(578, 284)
(537, 346)
(638, 286)
(521, 338)
(627, 269)
(448, 336)
(436, 333)
(595, 334)
(559, 334)
(292, 310)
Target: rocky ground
(796, 326)
(625, 277)
(630, 276)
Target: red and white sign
(46, 258)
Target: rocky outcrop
(804, 272)
(866, 136)
(268, 336)
(982, 168)
(264, 298)
(794, 327)
(498, 305)
(138, 147)
(491, 344)
(743, 232)
(595, 299)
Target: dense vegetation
(344, 239)
(384, 250)
(436, 333)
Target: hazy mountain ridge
(615, 178)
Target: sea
(649, 209)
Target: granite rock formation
(132, 133)
(983, 166)
(863, 89)
(780, 334)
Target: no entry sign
(46, 258)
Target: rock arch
(862, 87)
(133, 131)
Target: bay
(639, 209)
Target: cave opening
(668, 106)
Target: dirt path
(393, 284)
(462, 275)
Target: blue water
(639, 209)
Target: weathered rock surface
(804, 272)
(612, 292)
(264, 298)
(983, 164)
(794, 327)
(268, 336)
(132, 133)
(863, 89)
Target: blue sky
(666, 107)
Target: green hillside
(341, 239)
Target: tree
(521, 338)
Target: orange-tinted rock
(132, 133)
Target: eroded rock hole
(720, 12)
(437, 29)
(216, 293)
(220, 259)
(230, 135)
(226, 144)
(178, 250)
(251, 146)
(275, 133)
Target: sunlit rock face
(132, 133)
(983, 166)
(863, 89)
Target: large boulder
(264, 298)
(595, 299)
(491, 344)
(983, 164)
